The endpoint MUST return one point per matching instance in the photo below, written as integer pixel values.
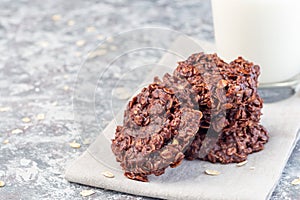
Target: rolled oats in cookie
(234, 145)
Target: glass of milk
(266, 32)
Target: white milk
(266, 32)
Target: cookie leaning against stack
(158, 127)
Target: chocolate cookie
(228, 99)
(156, 131)
(242, 133)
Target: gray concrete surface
(42, 46)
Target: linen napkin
(255, 180)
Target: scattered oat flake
(71, 23)
(80, 43)
(113, 48)
(101, 52)
(87, 141)
(75, 145)
(66, 88)
(56, 17)
(2, 183)
(4, 109)
(54, 103)
(212, 172)
(26, 119)
(97, 53)
(103, 46)
(252, 168)
(40, 116)
(296, 181)
(90, 29)
(108, 174)
(86, 193)
(242, 163)
(78, 54)
(5, 141)
(110, 39)
(100, 37)
(43, 43)
(16, 131)
(121, 93)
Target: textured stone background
(42, 46)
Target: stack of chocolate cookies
(207, 109)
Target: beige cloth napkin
(255, 180)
